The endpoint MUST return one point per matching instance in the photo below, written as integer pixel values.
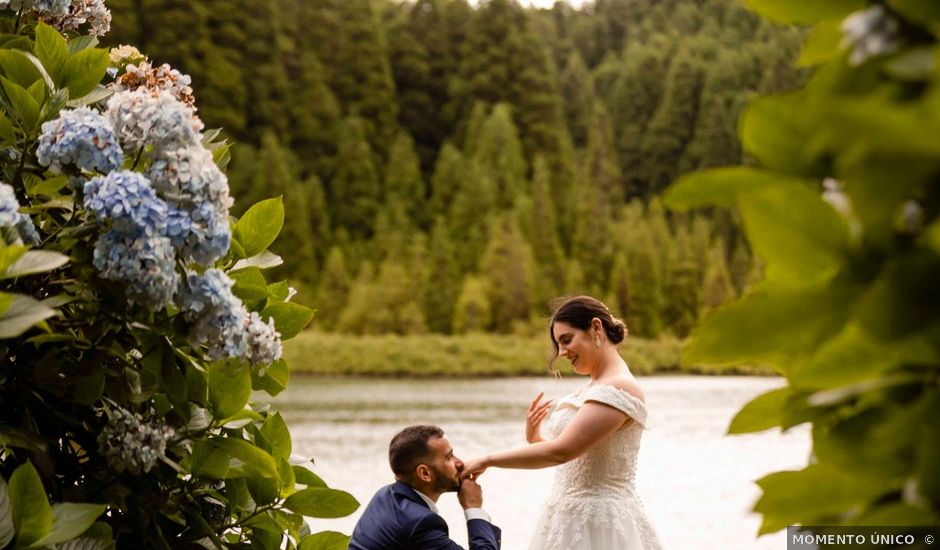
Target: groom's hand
(470, 494)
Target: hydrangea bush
(135, 316)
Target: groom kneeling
(404, 515)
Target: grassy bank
(473, 355)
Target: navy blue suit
(397, 519)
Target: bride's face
(575, 345)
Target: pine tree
(508, 268)
(468, 215)
(472, 312)
(333, 289)
(443, 280)
(498, 151)
(718, 287)
(544, 234)
(577, 90)
(645, 307)
(404, 186)
(355, 191)
(449, 171)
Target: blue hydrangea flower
(49, 8)
(129, 443)
(143, 117)
(82, 138)
(144, 263)
(190, 175)
(200, 235)
(127, 200)
(264, 340)
(11, 217)
(92, 12)
(223, 324)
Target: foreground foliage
(843, 208)
(135, 318)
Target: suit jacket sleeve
(483, 535)
(431, 534)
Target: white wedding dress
(594, 504)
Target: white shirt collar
(431, 504)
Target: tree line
(451, 168)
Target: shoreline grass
(471, 356)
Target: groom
(404, 515)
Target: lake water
(696, 483)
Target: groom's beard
(445, 484)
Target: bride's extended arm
(592, 424)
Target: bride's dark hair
(578, 312)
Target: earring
(597, 341)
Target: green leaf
(49, 187)
(816, 492)
(6, 516)
(229, 387)
(805, 242)
(279, 291)
(9, 254)
(99, 94)
(289, 318)
(252, 457)
(276, 432)
(322, 502)
(917, 11)
(7, 132)
(32, 515)
(38, 91)
(263, 490)
(778, 131)
(52, 50)
(805, 11)
(249, 284)
(263, 260)
(723, 186)
(304, 476)
(286, 479)
(209, 460)
(35, 261)
(26, 107)
(260, 225)
(823, 43)
(782, 326)
(22, 314)
(80, 43)
(18, 68)
(325, 540)
(274, 380)
(760, 414)
(83, 71)
(70, 520)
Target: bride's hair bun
(616, 331)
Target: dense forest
(449, 167)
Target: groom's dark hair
(409, 448)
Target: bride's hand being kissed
(473, 469)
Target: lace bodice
(593, 504)
(610, 467)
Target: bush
(135, 318)
(843, 211)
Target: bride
(595, 439)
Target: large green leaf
(803, 242)
(760, 414)
(782, 326)
(805, 11)
(252, 457)
(918, 11)
(325, 540)
(778, 131)
(249, 284)
(83, 71)
(304, 476)
(7, 132)
(823, 43)
(260, 225)
(32, 515)
(723, 186)
(229, 387)
(26, 107)
(274, 380)
(9, 254)
(52, 50)
(23, 314)
(18, 68)
(321, 502)
(813, 493)
(35, 261)
(70, 520)
(276, 432)
(209, 460)
(289, 318)
(6, 515)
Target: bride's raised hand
(534, 416)
(473, 469)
